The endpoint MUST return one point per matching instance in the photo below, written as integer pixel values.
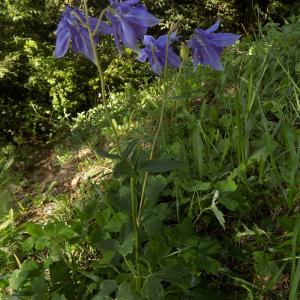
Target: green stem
(100, 19)
(160, 123)
(101, 76)
(135, 226)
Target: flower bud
(173, 27)
(184, 51)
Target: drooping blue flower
(155, 52)
(208, 46)
(130, 22)
(72, 29)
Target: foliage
(220, 218)
(39, 94)
(235, 15)
(6, 182)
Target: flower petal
(214, 27)
(161, 41)
(130, 22)
(71, 29)
(141, 17)
(224, 39)
(113, 3)
(82, 44)
(208, 46)
(173, 59)
(155, 51)
(62, 43)
(210, 55)
(156, 67)
(142, 55)
(148, 40)
(127, 35)
(103, 26)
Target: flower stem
(135, 226)
(165, 96)
(160, 123)
(132, 179)
(100, 19)
(101, 76)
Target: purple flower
(130, 22)
(155, 51)
(208, 46)
(72, 28)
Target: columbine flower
(207, 46)
(72, 28)
(130, 22)
(155, 51)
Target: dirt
(43, 173)
(43, 178)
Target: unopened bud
(184, 51)
(174, 26)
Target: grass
(224, 225)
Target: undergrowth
(224, 225)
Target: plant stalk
(101, 76)
(135, 226)
(160, 123)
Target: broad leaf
(116, 222)
(152, 289)
(173, 273)
(127, 246)
(19, 276)
(207, 263)
(226, 186)
(59, 272)
(195, 185)
(107, 287)
(155, 185)
(105, 154)
(152, 225)
(123, 168)
(125, 292)
(34, 229)
(161, 165)
(229, 203)
(130, 147)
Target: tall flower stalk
(132, 179)
(101, 76)
(165, 95)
